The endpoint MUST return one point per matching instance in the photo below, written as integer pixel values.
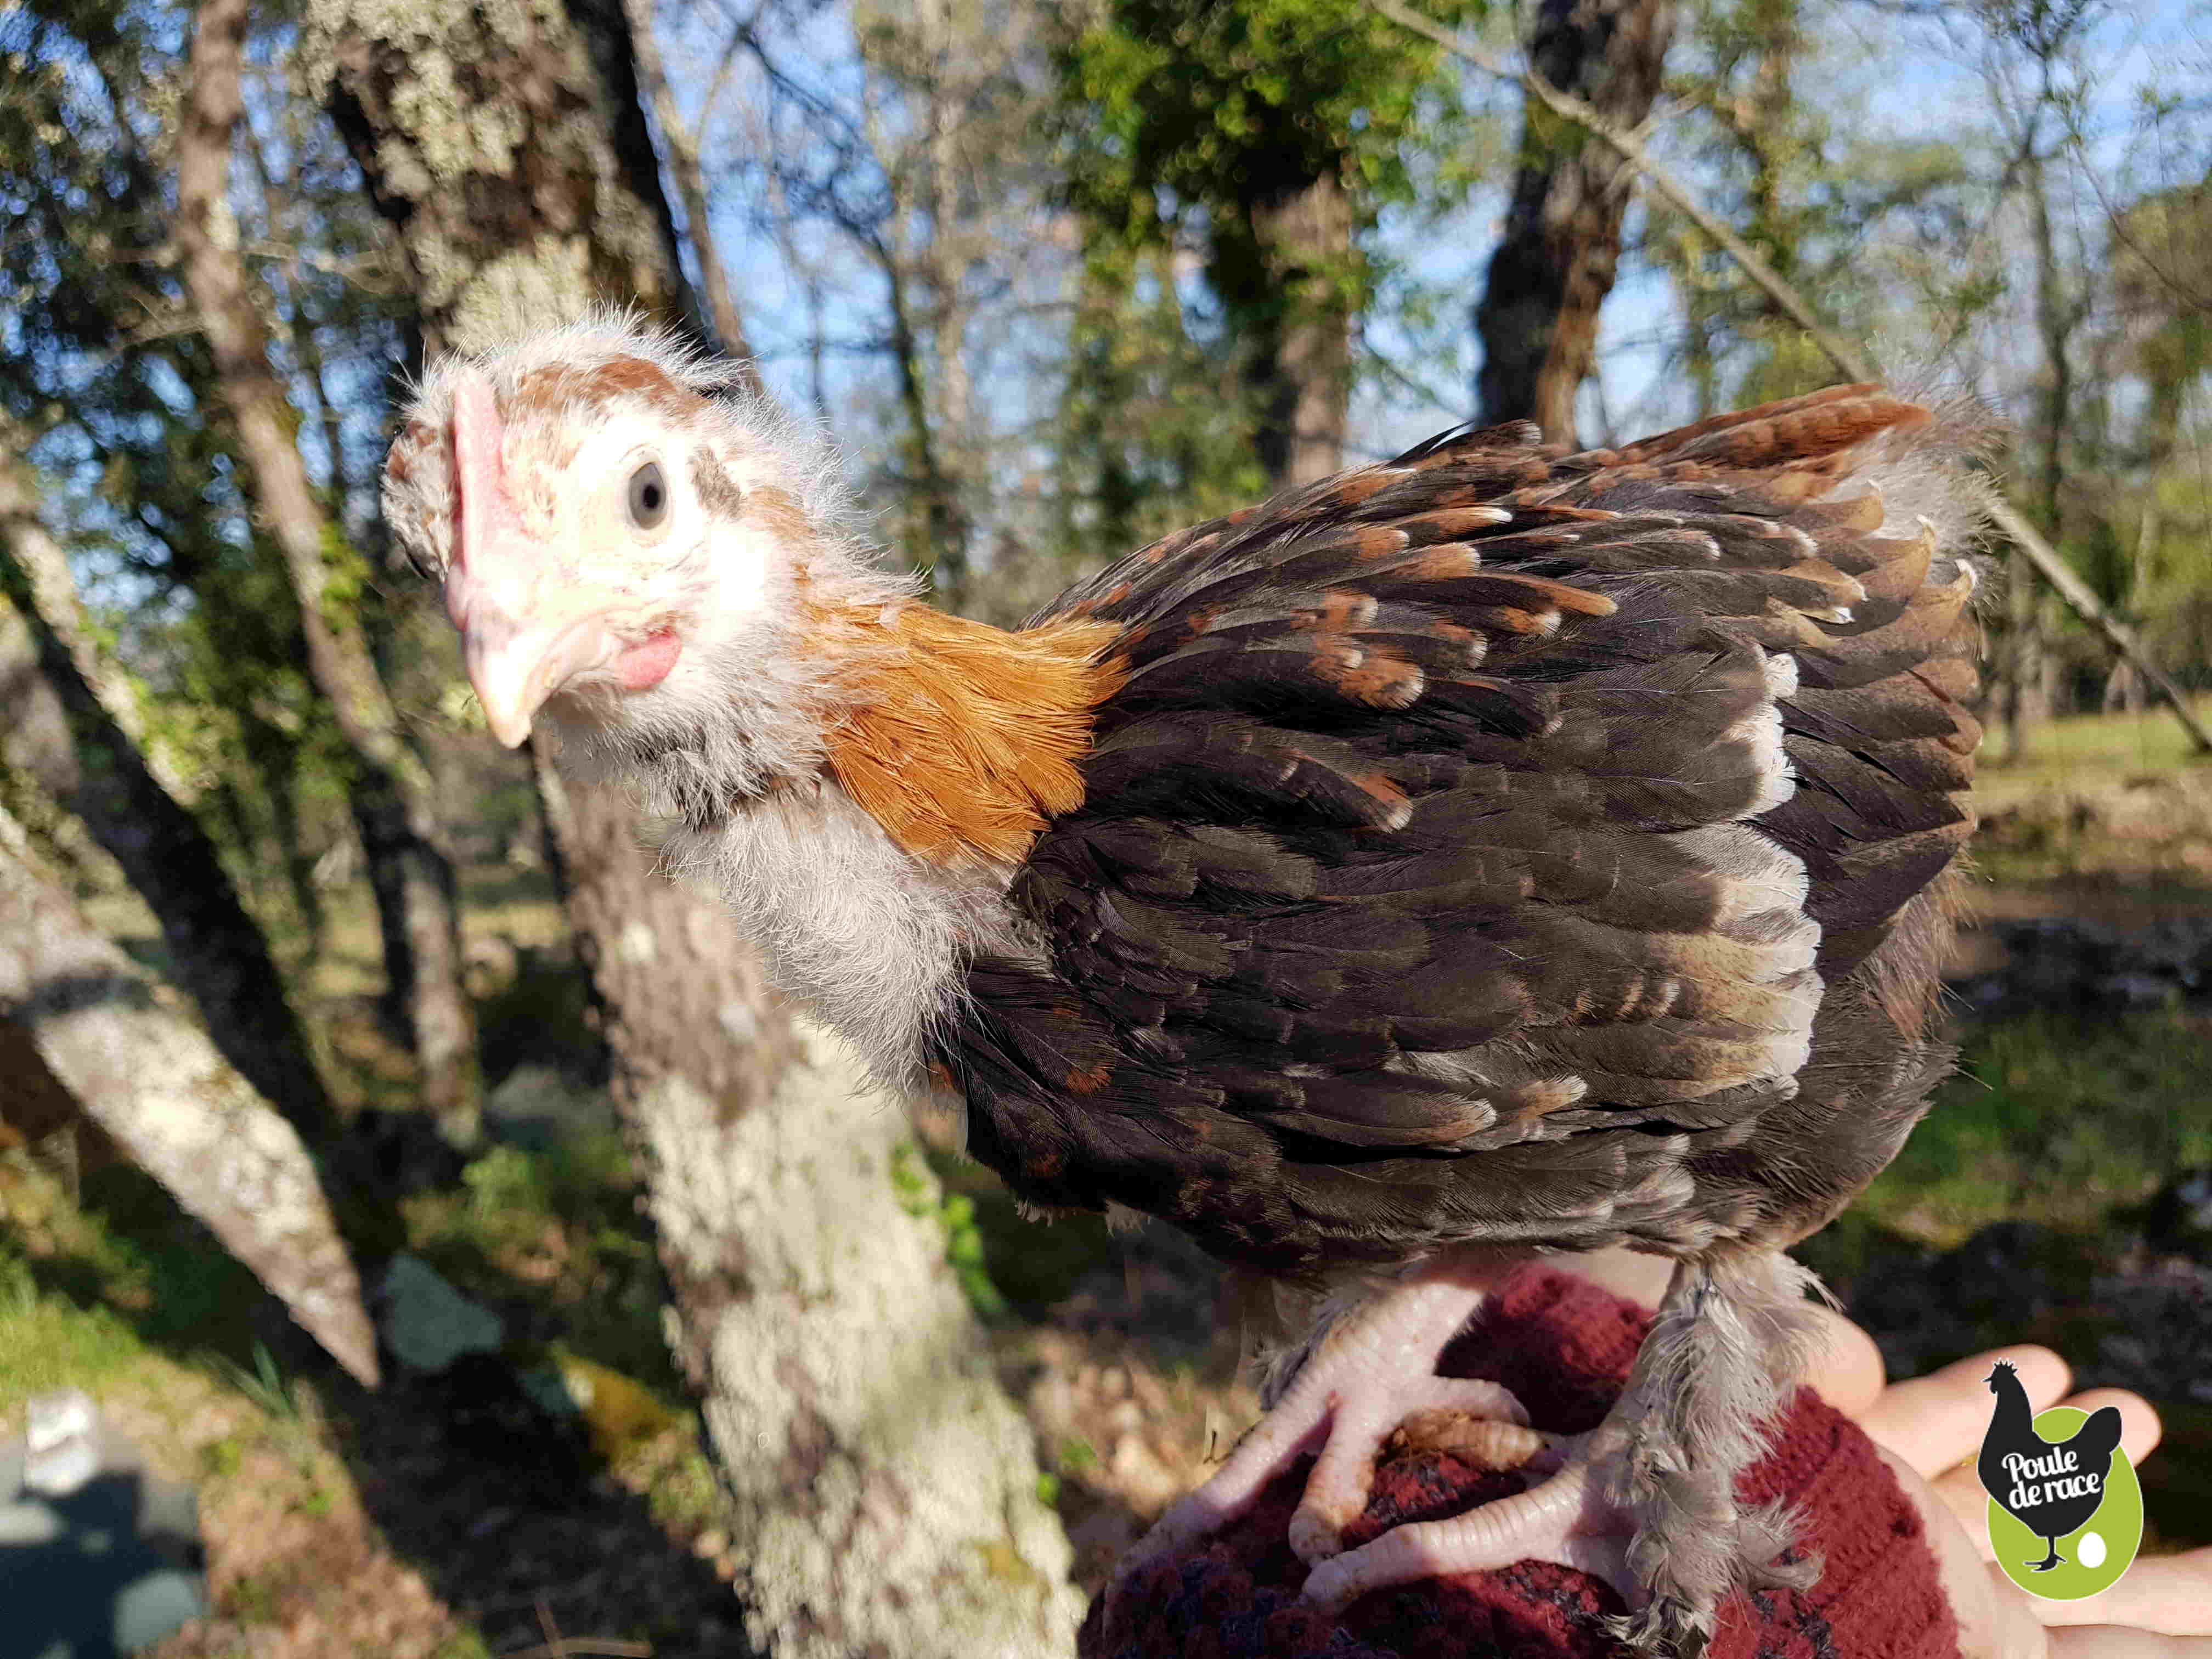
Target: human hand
(1928, 1430)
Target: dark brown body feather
(1427, 887)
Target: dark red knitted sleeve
(1564, 1346)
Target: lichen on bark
(869, 1467)
(499, 138)
(141, 1069)
(885, 1487)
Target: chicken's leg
(1647, 1499)
(1373, 1368)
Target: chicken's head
(624, 538)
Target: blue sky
(1900, 78)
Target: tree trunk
(941, 546)
(1302, 362)
(55, 721)
(1537, 319)
(1772, 103)
(392, 797)
(886, 1489)
(152, 1080)
(2026, 672)
(682, 144)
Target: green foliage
(1156, 427)
(2054, 1119)
(1076, 1455)
(683, 1492)
(1203, 119)
(345, 578)
(253, 1598)
(103, 369)
(1226, 105)
(92, 1290)
(49, 1342)
(266, 1386)
(586, 1181)
(220, 1459)
(19, 1286)
(918, 1195)
(1868, 221)
(1271, 134)
(558, 1229)
(126, 1254)
(1034, 1265)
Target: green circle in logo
(2091, 1558)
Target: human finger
(1992, 1623)
(1934, 1421)
(2112, 1641)
(1844, 1367)
(2171, 1595)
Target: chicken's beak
(523, 633)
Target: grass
(2056, 1121)
(2088, 750)
(554, 1237)
(86, 1303)
(112, 1296)
(141, 1271)
(48, 1342)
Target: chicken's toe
(1373, 1369)
(1565, 1518)
(1480, 1422)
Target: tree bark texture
(56, 729)
(391, 790)
(1537, 319)
(1302, 363)
(2027, 702)
(885, 1487)
(842, 1374)
(139, 1068)
(531, 215)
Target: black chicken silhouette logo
(2051, 1477)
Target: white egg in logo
(2089, 1550)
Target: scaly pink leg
(1565, 1517)
(1646, 1501)
(1372, 1371)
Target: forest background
(1056, 278)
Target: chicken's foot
(1646, 1501)
(1374, 1370)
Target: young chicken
(1496, 851)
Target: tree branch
(1846, 357)
(682, 144)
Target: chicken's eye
(649, 496)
